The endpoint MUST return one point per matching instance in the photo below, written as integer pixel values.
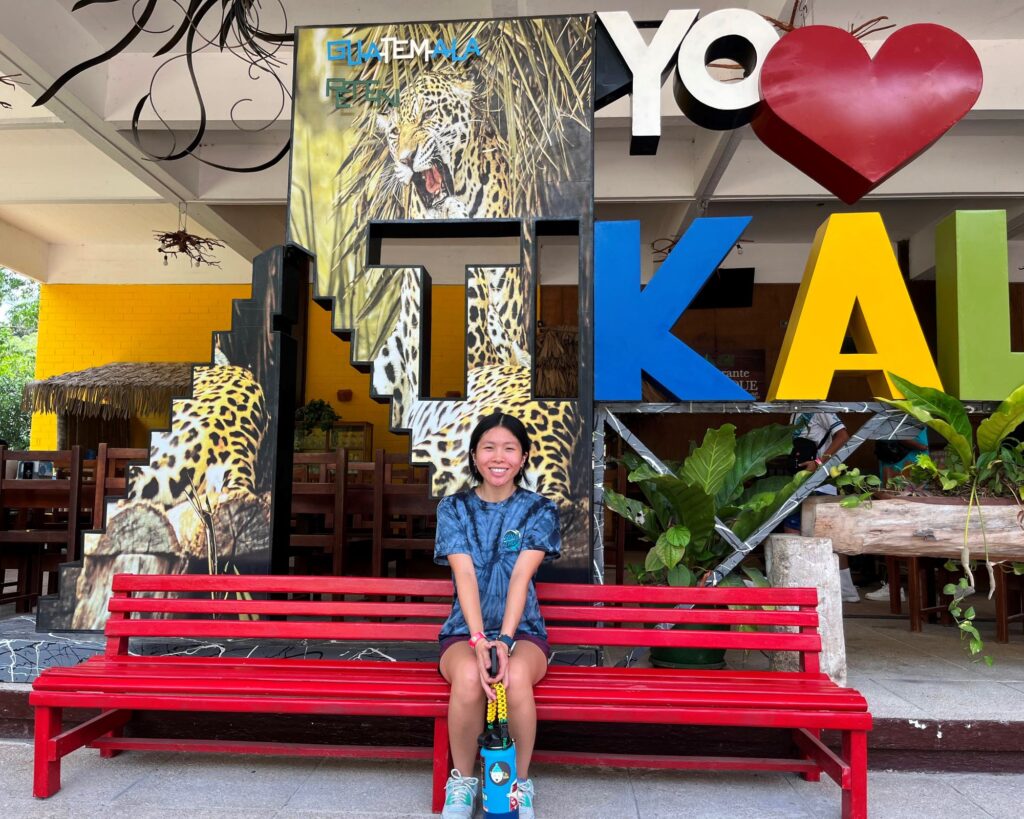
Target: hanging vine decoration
(865, 29)
(194, 247)
(180, 241)
(10, 82)
(237, 32)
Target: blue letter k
(633, 327)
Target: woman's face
(499, 457)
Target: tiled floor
(165, 785)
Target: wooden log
(906, 526)
(139, 540)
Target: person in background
(817, 436)
(894, 455)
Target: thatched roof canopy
(557, 361)
(111, 391)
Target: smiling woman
(499, 448)
(494, 537)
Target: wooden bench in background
(118, 684)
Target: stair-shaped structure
(214, 496)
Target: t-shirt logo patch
(511, 540)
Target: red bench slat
(440, 611)
(546, 592)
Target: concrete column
(809, 561)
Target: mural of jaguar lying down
(196, 501)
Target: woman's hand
(483, 663)
(502, 663)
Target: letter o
(732, 34)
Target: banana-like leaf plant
(990, 462)
(677, 515)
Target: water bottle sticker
(500, 773)
(511, 540)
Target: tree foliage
(19, 322)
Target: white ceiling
(72, 177)
(977, 19)
(119, 224)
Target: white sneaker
(460, 793)
(883, 593)
(526, 799)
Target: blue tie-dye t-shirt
(494, 534)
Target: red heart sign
(850, 122)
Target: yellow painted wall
(84, 326)
(328, 369)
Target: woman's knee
(465, 682)
(520, 682)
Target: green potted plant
(677, 515)
(969, 503)
(313, 421)
(986, 464)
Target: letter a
(851, 280)
(633, 327)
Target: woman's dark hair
(498, 419)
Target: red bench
(117, 683)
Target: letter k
(633, 327)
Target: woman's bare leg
(465, 705)
(527, 667)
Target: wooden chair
(615, 525)
(359, 501)
(40, 520)
(110, 475)
(892, 571)
(405, 506)
(338, 504)
(1009, 597)
(926, 577)
(318, 504)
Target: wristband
(818, 461)
(476, 638)
(510, 643)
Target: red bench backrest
(569, 610)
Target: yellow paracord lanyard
(498, 707)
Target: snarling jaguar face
(426, 135)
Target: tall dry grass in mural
(533, 80)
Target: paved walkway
(203, 787)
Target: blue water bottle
(498, 757)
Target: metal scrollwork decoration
(238, 32)
(11, 82)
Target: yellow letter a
(851, 280)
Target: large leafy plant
(990, 462)
(677, 515)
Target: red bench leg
(442, 763)
(813, 776)
(46, 778)
(855, 797)
(110, 753)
